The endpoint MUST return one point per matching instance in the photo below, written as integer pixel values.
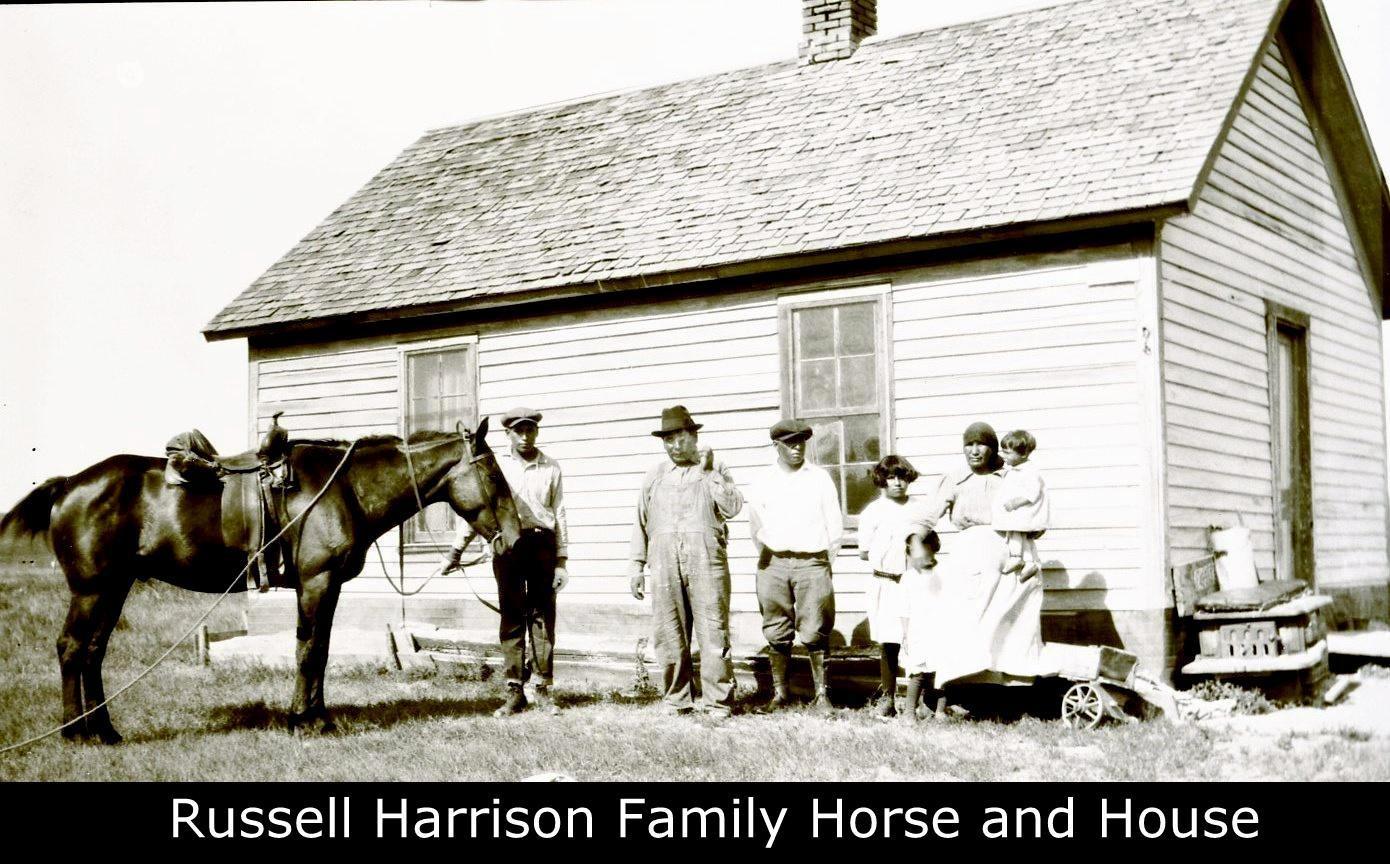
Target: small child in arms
(1021, 511)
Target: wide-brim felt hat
(675, 419)
(789, 431)
(520, 415)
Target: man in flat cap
(531, 573)
(795, 518)
(680, 535)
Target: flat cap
(789, 431)
(519, 414)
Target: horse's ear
(482, 429)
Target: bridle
(474, 458)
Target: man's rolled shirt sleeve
(557, 506)
(728, 501)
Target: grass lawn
(187, 722)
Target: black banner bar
(652, 816)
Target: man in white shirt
(795, 517)
(533, 571)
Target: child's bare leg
(1032, 566)
(1013, 542)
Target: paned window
(834, 378)
(440, 392)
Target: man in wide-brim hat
(796, 522)
(680, 535)
(532, 572)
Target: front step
(347, 647)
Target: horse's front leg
(318, 600)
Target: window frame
(881, 293)
(409, 536)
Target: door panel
(1292, 447)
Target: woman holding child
(986, 627)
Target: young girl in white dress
(1021, 511)
(895, 540)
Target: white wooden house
(1150, 231)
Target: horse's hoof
(314, 725)
(86, 736)
(109, 736)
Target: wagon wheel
(1083, 706)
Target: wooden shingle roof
(1089, 108)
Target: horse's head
(479, 493)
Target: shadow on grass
(584, 698)
(353, 719)
(1041, 700)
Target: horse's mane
(422, 437)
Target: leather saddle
(192, 460)
(253, 486)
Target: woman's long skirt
(969, 622)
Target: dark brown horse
(119, 521)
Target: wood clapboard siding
(1046, 345)
(601, 381)
(1268, 226)
(345, 390)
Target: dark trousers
(526, 599)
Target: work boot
(781, 697)
(887, 707)
(914, 693)
(821, 704)
(515, 704)
(544, 702)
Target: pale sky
(155, 159)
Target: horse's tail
(30, 517)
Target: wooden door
(1293, 515)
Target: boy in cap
(795, 518)
(680, 534)
(531, 573)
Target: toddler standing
(1021, 511)
(895, 540)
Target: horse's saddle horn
(275, 445)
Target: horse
(119, 520)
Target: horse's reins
(189, 632)
(473, 459)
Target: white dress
(1022, 481)
(968, 621)
(884, 528)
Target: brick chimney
(832, 29)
